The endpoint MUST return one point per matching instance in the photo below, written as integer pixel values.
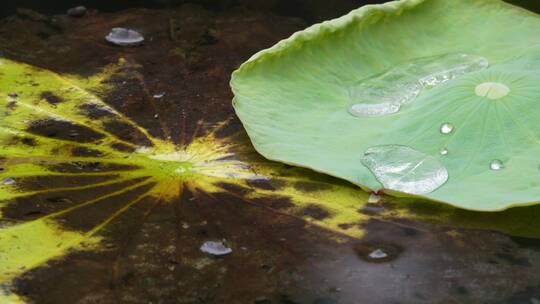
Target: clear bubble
(215, 248)
(378, 254)
(124, 37)
(8, 181)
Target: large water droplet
(447, 128)
(443, 151)
(496, 165)
(450, 66)
(373, 109)
(404, 169)
(385, 93)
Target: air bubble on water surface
(385, 93)
(159, 95)
(496, 165)
(8, 181)
(404, 169)
(124, 37)
(215, 248)
(447, 128)
(377, 254)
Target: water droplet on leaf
(447, 128)
(405, 169)
(373, 109)
(496, 165)
(443, 151)
(385, 93)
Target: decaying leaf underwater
(58, 144)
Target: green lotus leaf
(425, 98)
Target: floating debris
(8, 181)
(404, 169)
(215, 248)
(385, 93)
(77, 11)
(496, 165)
(124, 37)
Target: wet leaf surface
(428, 98)
(110, 203)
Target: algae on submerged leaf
(386, 75)
(74, 169)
